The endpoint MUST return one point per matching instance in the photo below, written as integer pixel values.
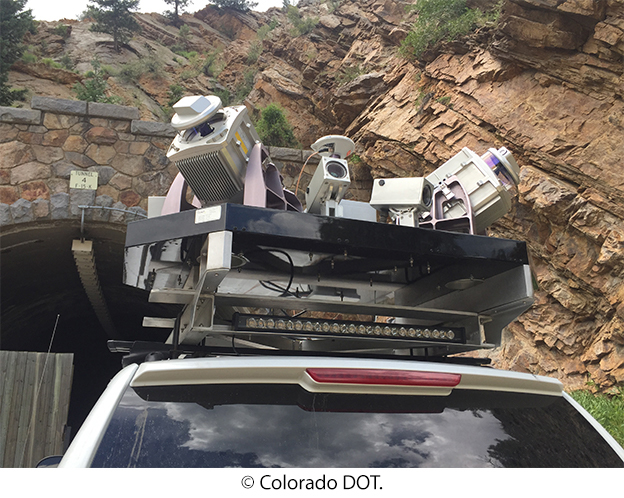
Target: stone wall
(40, 147)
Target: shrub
(62, 30)
(300, 26)
(212, 65)
(132, 71)
(274, 129)
(175, 93)
(442, 20)
(93, 89)
(349, 74)
(224, 95)
(66, 62)
(242, 89)
(254, 52)
(29, 57)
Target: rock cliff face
(546, 82)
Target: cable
(303, 168)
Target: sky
(47, 10)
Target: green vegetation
(440, 20)
(148, 66)
(242, 89)
(242, 5)
(115, 18)
(66, 62)
(29, 57)
(224, 95)
(14, 23)
(62, 30)
(254, 52)
(94, 88)
(349, 74)
(301, 26)
(608, 410)
(213, 64)
(274, 129)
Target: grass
(443, 20)
(606, 409)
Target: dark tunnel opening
(40, 283)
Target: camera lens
(426, 195)
(336, 170)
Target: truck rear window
(286, 426)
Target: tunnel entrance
(40, 282)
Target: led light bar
(340, 328)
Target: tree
(242, 5)
(178, 5)
(114, 18)
(93, 89)
(274, 129)
(14, 23)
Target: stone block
(21, 116)
(5, 215)
(60, 106)
(59, 206)
(130, 198)
(58, 185)
(157, 183)
(60, 121)
(55, 138)
(35, 190)
(129, 164)
(41, 208)
(79, 159)
(75, 143)
(8, 132)
(81, 197)
(105, 173)
(28, 172)
(5, 176)
(118, 216)
(8, 195)
(113, 111)
(102, 214)
(101, 136)
(22, 211)
(48, 155)
(101, 154)
(15, 153)
(153, 129)
(121, 181)
(62, 169)
(139, 213)
(138, 148)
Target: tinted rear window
(286, 426)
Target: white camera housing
(489, 180)
(403, 198)
(328, 186)
(334, 146)
(212, 146)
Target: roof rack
(285, 280)
(145, 351)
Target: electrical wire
(303, 168)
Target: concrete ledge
(59, 106)
(153, 129)
(20, 116)
(112, 111)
